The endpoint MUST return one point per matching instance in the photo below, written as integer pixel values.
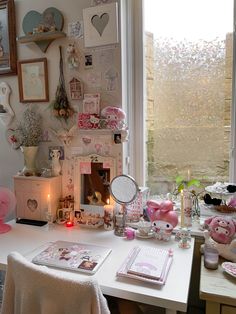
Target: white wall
(11, 160)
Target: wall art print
(101, 25)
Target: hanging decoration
(61, 106)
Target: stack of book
(147, 264)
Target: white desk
(173, 296)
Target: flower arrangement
(29, 130)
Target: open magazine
(147, 264)
(81, 257)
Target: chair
(34, 289)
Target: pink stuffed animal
(115, 117)
(164, 219)
(221, 234)
(221, 228)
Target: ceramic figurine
(185, 238)
(56, 166)
(164, 219)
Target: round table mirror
(123, 189)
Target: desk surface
(29, 240)
(217, 285)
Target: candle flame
(108, 201)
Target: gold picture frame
(8, 55)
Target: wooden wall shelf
(43, 40)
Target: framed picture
(8, 61)
(33, 80)
(101, 25)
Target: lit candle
(182, 208)
(108, 216)
(108, 207)
(49, 204)
(69, 224)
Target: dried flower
(29, 131)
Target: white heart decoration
(100, 22)
(32, 205)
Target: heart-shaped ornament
(100, 22)
(51, 18)
(32, 205)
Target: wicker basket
(225, 209)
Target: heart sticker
(99, 23)
(32, 205)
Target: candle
(108, 216)
(189, 175)
(49, 204)
(182, 208)
(69, 224)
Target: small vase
(30, 153)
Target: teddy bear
(221, 235)
(164, 219)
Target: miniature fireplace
(92, 176)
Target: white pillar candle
(182, 209)
(49, 204)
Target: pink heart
(98, 147)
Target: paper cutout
(85, 167)
(100, 22)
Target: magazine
(81, 257)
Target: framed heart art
(101, 25)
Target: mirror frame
(11, 68)
(93, 158)
(133, 181)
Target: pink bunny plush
(221, 235)
(164, 219)
(115, 117)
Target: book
(125, 269)
(148, 262)
(81, 257)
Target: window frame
(133, 88)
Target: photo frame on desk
(8, 54)
(33, 80)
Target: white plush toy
(56, 166)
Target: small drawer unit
(35, 195)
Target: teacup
(144, 227)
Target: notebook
(81, 257)
(149, 262)
(161, 259)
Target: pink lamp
(7, 203)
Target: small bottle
(211, 257)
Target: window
(186, 52)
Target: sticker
(85, 167)
(75, 29)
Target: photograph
(88, 61)
(8, 57)
(33, 80)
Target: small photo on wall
(88, 61)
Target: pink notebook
(147, 264)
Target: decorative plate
(148, 236)
(229, 268)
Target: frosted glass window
(188, 62)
